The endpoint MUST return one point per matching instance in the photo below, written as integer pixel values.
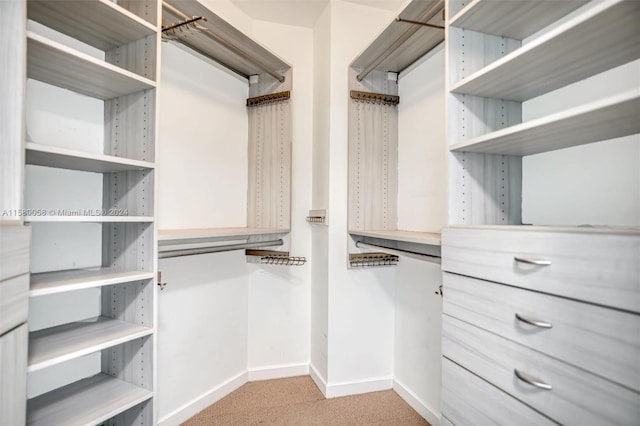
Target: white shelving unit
(62, 158)
(609, 118)
(124, 78)
(501, 54)
(571, 52)
(56, 64)
(60, 282)
(269, 158)
(373, 160)
(59, 344)
(89, 401)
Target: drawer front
(14, 251)
(14, 302)
(600, 340)
(469, 400)
(13, 377)
(595, 267)
(576, 397)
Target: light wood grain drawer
(14, 302)
(14, 251)
(598, 267)
(13, 377)
(576, 397)
(601, 340)
(469, 400)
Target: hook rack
(273, 257)
(369, 260)
(317, 217)
(381, 98)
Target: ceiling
(302, 13)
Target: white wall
(594, 184)
(360, 304)
(279, 297)
(417, 356)
(320, 195)
(202, 155)
(422, 206)
(422, 149)
(202, 182)
(202, 330)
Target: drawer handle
(531, 380)
(532, 261)
(532, 321)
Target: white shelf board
(582, 229)
(609, 118)
(59, 344)
(605, 37)
(513, 19)
(62, 281)
(91, 219)
(87, 402)
(62, 158)
(172, 235)
(59, 65)
(427, 238)
(100, 23)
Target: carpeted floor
(297, 401)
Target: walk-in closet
(314, 211)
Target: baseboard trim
(193, 407)
(318, 380)
(278, 372)
(357, 387)
(414, 402)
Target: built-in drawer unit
(565, 393)
(600, 340)
(600, 266)
(479, 403)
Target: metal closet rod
(400, 252)
(224, 42)
(217, 249)
(430, 13)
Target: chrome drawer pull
(535, 322)
(531, 380)
(531, 261)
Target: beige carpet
(297, 401)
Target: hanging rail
(400, 252)
(264, 99)
(375, 97)
(424, 24)
(424, 17)
(272, 257)
(218, 39)
(217, 249)
(370, 260)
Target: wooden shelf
(58, 344)
(172, 236)
(91, 219)
(513, 19)
(240, 53)
(89, 401)
(597, 230)
(605, 119)
(100, 23)
(392, 50)
(415, 237)
(62, 281)
(61, 158)
(61, 66)
(605, 37)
